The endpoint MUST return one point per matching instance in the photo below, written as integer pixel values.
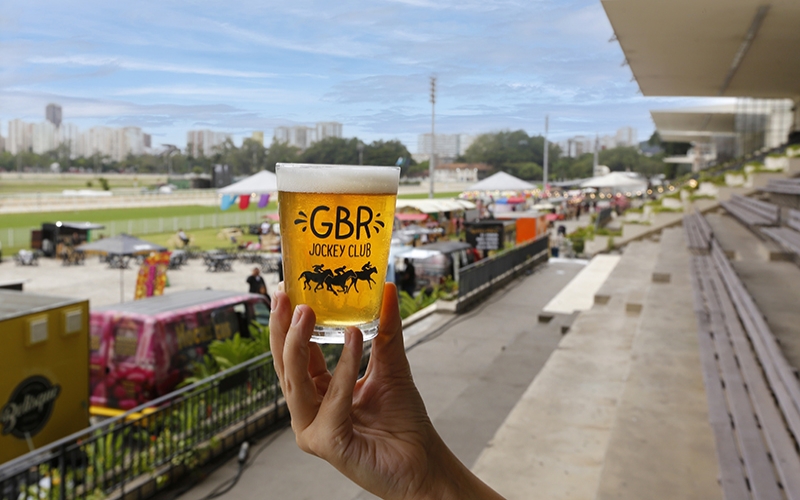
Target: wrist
(450, 479)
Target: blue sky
(170, 66)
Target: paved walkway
(470, 376)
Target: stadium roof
(698, 124)
(743, 48)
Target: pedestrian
(257, 284)
(182, 236)
(409, 277)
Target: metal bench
(698, 233)
(789, 236)
(753, 394)
(753, 212)
(783, 186)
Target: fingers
(338, 401)
(388, 350)
(299, 389)
(280, 319)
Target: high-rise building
(43, 137)
(626, 137)
(258, 136)
(148, 141)
(328, 129)
(448, 146)
(202, 142)
(20, 136)
(69, 135)
(53, 114)
(302, 137)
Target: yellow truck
(44, 370)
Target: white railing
(12, 238)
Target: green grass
(11, 185)
(114, 214)
(420, 196)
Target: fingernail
(297, 316)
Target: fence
(141, 452)
(21, 237)
(477, 280)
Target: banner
(152, 276)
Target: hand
(375, 430)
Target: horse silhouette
(365, 275)
(341, 280)
(318, 278)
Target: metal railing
(145, 449)
(484, 273)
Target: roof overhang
(700, 124)
(739, 48)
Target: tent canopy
(501, 181)
(436, 205)
(260, 183)
(615, 180)
(121, 244)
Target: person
(182, 236)
(256, 282)
(374, 430)
(409, 277)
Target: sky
(171, 66)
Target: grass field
(118, 214)
(206, 239)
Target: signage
(485, 237)
(29, 407)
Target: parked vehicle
(141, 350)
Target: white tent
(501, 181)
(436, 205)
(619, 180)
(261, 183)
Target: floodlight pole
(544, 167)
(432, 162)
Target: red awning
(271, 216)
(516, 199)
(411, 217)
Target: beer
(336, 229)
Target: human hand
(375, 430)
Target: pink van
(143, 349)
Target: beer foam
(339, 179)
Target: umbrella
(122, 245)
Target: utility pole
(544, 174)
(432, 162)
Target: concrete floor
(101, 286)
(470, 376)
(619, 409)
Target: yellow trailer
(44, 370)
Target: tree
(385, 153)
(512, 152)
(332, 151)
(280, 152)
(670, 148)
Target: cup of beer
(336, 229)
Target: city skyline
(168, 69)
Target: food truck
(43, 375)
(530, 225)
(143, 349)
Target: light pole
(360, 148)
(171, 150)
(544, 169)
(432, 162)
